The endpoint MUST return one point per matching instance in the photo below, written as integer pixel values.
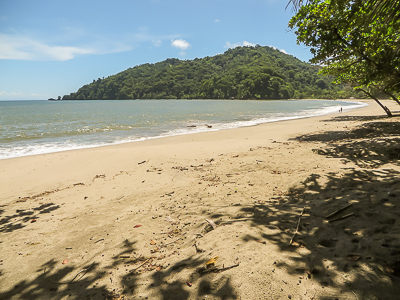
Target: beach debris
(173, 242)
(208, 126)
(298, 244)
(214, 269)
(338, 211)
(189, 284)
(341, 218)
(99, 176)
(298, 226)
(212, 261)
(172, 221)
(353, 257)
(158, 269)
(137, 226)
(153, 242)
(142, 162)
(211, 222)
(154, 170)
(65, 261)
(210, 160)
(124, 256)
(198, 249)
(231, 174)
(168, 194)
(33, 220)
(87, 269)
(192, 126)
(180, 168)
(155, 250)
(99, 241)
(113, 295)
(235, 156)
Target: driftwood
(338, 211)
(341, 218)
(298, 225)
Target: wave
(40, 145)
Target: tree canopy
(356, 41)
(240, 73)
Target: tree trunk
(387, 111)
(393, 97)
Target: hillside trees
(240, 73)
(358, 42)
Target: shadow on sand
(357, 250)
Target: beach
(297, 209)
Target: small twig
(168, 194)
(83, 270)
(341, 218)
(133, 270)
(142, 162)
(163, 245)
(99, 241)
(338, 211)
(227, 268)
(211, 222)
(298, 225)
(214, 269)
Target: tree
(356, 41)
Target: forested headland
(240, 73)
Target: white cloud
(64, 47)
(24, 48)
(282, 50)
(229, 45)
(216, 21)
(248, 44)
(239, 44)
(157, 43)
(181, 44)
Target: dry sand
(129, 221)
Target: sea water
(38, 127)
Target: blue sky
(50, 48)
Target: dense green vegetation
(240, 73)
(358, 42)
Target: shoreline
(133, 216)
(150, 145)
(227, 126)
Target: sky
(50, 48)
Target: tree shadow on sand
(356, 250)
(121, 278)
(55, 280)
(19, 219)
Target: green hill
(240, 73)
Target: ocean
(38, 127)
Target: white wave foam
(37, 149)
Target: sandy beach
(299, 209)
